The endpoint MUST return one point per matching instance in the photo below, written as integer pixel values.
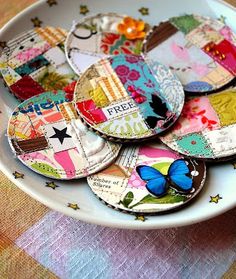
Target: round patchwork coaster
(46, 135)
(201, 51)
(206, 128)
(127, 97)
(96, 37)
(35, 62)
(149, 179)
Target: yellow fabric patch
(225, 106)
(99, 97)
(218, 76)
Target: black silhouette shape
(159, 108)
(60, 134)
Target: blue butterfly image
(176, 178)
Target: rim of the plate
(115, 223)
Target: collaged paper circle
(120, 185)
(201, 51)
(206, 128)
(97, 36)
(34, 62)
(127, 97)
(47, 136)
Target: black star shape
(60, 134)
(51, 2)
(17, 175)
(36, 21)
(51, 185)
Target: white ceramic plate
(221, 178)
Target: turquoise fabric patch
(119, 43)
(32, 65)
(40, 101)
(140, 84)
(195, 145)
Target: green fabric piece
(169, 198)
(45, 169)
(185, 23)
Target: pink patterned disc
(201, 51)
(46, 135)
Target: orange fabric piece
(132, 29)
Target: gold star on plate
(215, 199)
(73, 206)
(140, 218)
(52, 185)
(36, 21)
(84, 9)
(222, 19)
(3, 44)
(234, 164)
(51, 2)
(17, 175)
(144, 11)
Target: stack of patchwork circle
(137, 109)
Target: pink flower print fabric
(31, 53)
(199, 50)
(137, 98)
(197, 115)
